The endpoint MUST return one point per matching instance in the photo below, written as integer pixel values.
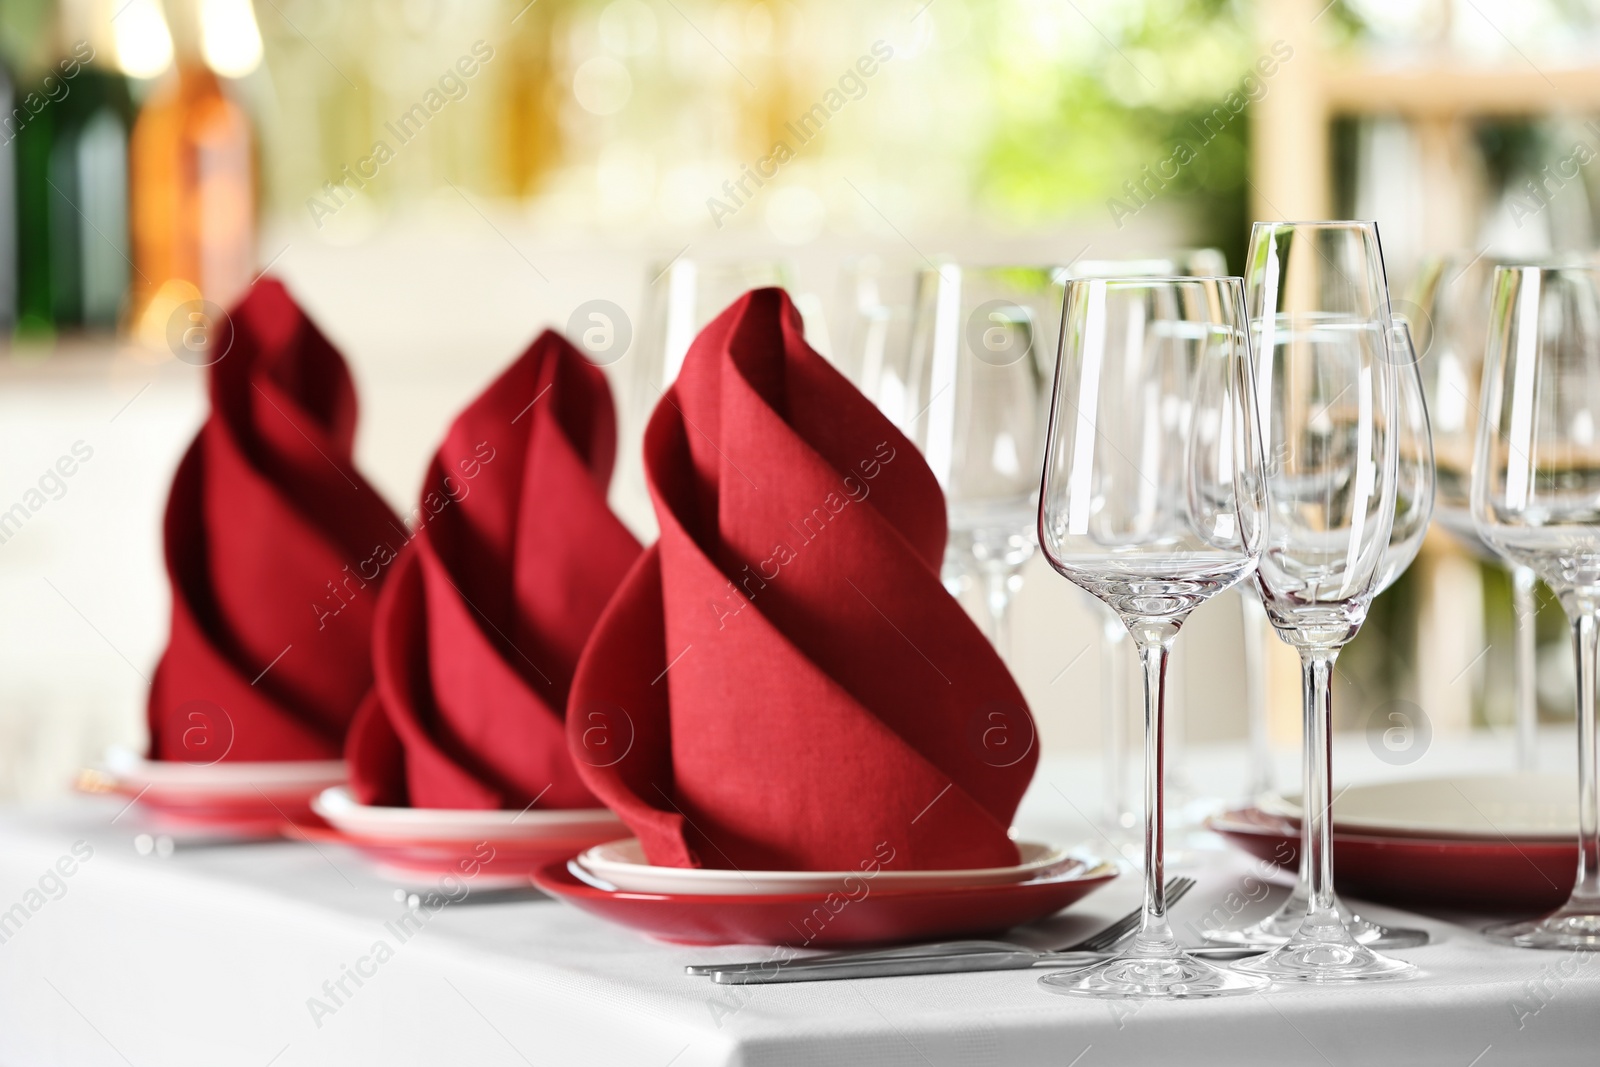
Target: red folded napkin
(782, 682)
(272, 542)
(514, 556)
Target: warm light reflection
(144, 44)
(150, 324)
(230, 41)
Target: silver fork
(885, 965)
(1103, 941)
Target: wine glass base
(1179, 977)
(1281, 926)
(1579, 931)
(1326, 962)
(1277, 930)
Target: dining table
(172, 950)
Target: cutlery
(951, 963)
(165, 846)
(434, 899)
(1100, 942)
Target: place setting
(1156, 499)
(753, 828)
(249, 704)
(458, 757)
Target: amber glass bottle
(194, 187)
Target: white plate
(622, 863)
(342, 811)
(225, 778)
(1526, 806)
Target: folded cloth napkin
(514, 554)
(782, 682)
(271, 543)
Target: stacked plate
(489, 849)
(1492, 842)
(811, 909)
(234, 798)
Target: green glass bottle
(31, 157)
(89, 168)
(8, 206)
(72, 187)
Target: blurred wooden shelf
(1439, 93)
(1458, 90)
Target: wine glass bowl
(1153, 501)
(1183, 262)
(1457, 291)
(1326, 540)
(681, 297)
(970, 388)
(1416, 479)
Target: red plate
(243, 799)
(855, 915)
(485, 862)
(1494, 874)
(260, 815)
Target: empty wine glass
(1536, 500)
(1118, 811)
(680, 298)
(974, 379)
(1152, 500)
(1413, 512)
(873, 327)
(1457, 291)
(1327, 374)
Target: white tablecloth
(213, 955)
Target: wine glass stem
(1316, 823)
(1155, 934)
(997, 582)
(1587, 889)
(1526, 608)
(1255, 690)
(1113, 715)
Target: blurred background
(437, 180)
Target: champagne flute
(1152, 500)
(1329, 398)
(1416, 477)
(1535, 499)
(1413, 511)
